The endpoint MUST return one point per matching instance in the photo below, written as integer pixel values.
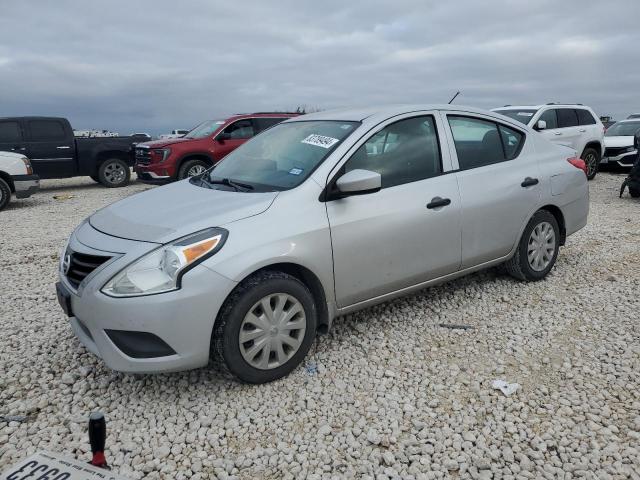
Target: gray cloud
(156, 65)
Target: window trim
(329, 193)
(497, 124)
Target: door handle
(437, 202)
(63, 147)
(582, 130)
(558, 133)
(529, 182)
(22, 149)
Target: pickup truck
(56, 153)
(16, 177)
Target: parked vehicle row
(16, 177)
(316, 217)
(575, 126)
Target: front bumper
(155, 174)
(181, 320)
(624, 160)
(26, 185)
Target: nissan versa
(315, 217)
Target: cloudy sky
(156, 65)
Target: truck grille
(143, 155)
(81, 265)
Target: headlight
(163, 153)
(161, 270)
(27, 164)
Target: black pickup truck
(55, 153)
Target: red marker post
(97, 439)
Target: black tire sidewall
(105, 182)
(182, 173)
(586, 152)
(538, 217)
(5, 194)
(234, 316)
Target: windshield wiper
(230, 183)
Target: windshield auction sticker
(50, 466)
(320, 140)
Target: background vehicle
(619, 143)
(164, 161)
(315, 218)
(573, 125)
(55, 152)
(633, 115)
(16, 177)
(173, 134)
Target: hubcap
(272, 331)
(542, 246)
(195, 170)
(590, 160)
(114, 173)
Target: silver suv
(318, 216)
(573, 125)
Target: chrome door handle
(582, 130)
(64, 147)
(558, 133)
(22, 149)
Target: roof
(537, 107)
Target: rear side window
(10, 132)
(567, 118)
(403, 152)
(550, 118)
(264, 123)
(46, 130)
(481, 142)
(240, 129)
(585, 117)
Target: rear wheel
(114, 173)
(537, 250)
(265, 327)
(5, 194)
(191, 168)
(591, 158)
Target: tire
(191, 168)
(114, 173)
(5, 194)
(520, 266)
(634, 192)
(592, 159)
(234, 317)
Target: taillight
(578, 163)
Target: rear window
(46, 130)
(523, 115)
(262, 123)
(10, 132)
(585, 117)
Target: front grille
(615, 151)
(143, 155)
(81, 265)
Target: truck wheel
(5, 194)
(634, 192)
(191, 168)
(114, 173)
(592, 160)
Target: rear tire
(281, 342)
(191, 168)
(114, 173)
(537, 250)
(592, 160)
(5, 194)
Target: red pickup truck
(167, 160)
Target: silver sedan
(316, 217)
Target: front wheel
(592, 160)
(265, 328)
(114, 173)
(537, 250)
(5, 194)
(191, 168)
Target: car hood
(624, 141)
(163, 214)
(165, 142)
(12, 155)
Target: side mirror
(359, 182)
(222, 136)
(541, 125)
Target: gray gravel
(387, 394)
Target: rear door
(51, 147)
(499, 184)
(12, 137)
(237, 133)
(568, 132)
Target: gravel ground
(387, 394)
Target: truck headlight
(27, 164)
(163, 153)
(161, 270)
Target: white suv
(573, 125)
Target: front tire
(5, 194)
(265, 328)
(537, 250)
(591, 158)
(191, 168)
(114, 173)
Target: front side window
(550, 118)
(403, 152)
(282, 157)
(205, 129)
(46, 130)
(585, 117)
(481, 142)
(240, 130)
(567, 118)
(10, 132)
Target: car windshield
(521, 115)
(283, 156)
(205, 129)
(623, 129)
